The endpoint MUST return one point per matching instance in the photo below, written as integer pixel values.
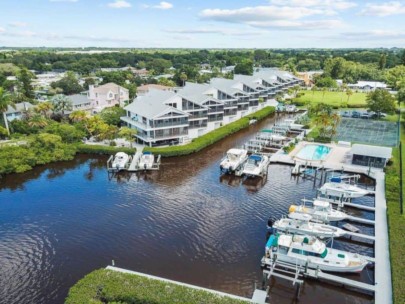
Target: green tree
(44, 108)
(5, 101)
(383, 61)
(24, 78)
(61, 103)
(69, 84)
(349, 93)
(38, 121)
(183, 77)
(87, 82)
(127, 133)
(380, 101)
(112, 115)
(245, 67)
(401, 95)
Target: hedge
(107, 286)
(396, 228)
(99, 149)
(213, 136)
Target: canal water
(184, 222)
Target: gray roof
(19, 107)
(152, 104)
(373, 151)
(225, 85)
(78, 99)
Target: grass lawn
(335, 99)
(106, 286)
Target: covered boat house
(371, 156)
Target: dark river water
(184, 222)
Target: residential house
(80, 102)
(107, 95)
(196, 109)
(157, 118)
(17, 112)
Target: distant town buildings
(144, 89)
(163, 117)
(365, 86)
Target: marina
(161, 211)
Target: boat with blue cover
(256, 165)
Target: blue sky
(203, 24)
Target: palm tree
(344, 88)
(78, 116)
(44, 108)
(5, 101)
(183, 77)
(37, 121)
(323, 93)
(313, 89)
(62, 103)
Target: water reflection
(59, 222)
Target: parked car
(366, 115)
(355, 114)
(346, 114)
(375, 115)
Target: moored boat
(233, 160)
(146, 161)
(320, 211)
(343, 190)
(256, 165)
(311, 252)
(120, 161)
(300, 223)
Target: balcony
(181, 123)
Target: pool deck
(339, 159)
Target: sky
(202, 24)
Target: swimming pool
(313, 152)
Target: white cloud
(383, 9)
(226, 32)
(332, 4)
(119, 4)
(17, 24)
(298, 25)
(259, 13)
(374, 35)
(162, 5)
(2, 29)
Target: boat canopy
(272, 241)
(267, 131)
(336, 180)
(285, 240)
(121, 154)
(299, 216)
(256, 157)
(236, 152)
(147, 153)
(321, 204)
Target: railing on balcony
(169, 124)
(215, 117)
(216, 109)
(230, 112)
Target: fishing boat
(310, 252)
(234, 159)
(339, 189)
(320, 211)
(146, 161)
(256, 165)
(300, 223)
(120, 161)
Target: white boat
(146, 161)
(300, 223)
(277, 137)
(311, 252)
(234, 159)
(256, 165)
(120, 161)
(320, 211)
(343, 190)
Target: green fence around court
(368, 131)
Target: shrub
(98, 149)
(68, 133)
(113, 143)
(208, 139)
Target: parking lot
(368, 131)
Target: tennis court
(368, 131)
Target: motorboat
(320, 211)
(120, 161)
(309, 251)
(300, 223)
(256, 165)
(233, 160)
(339, 189)
(277, 137)
(146, 161)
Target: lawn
(335, 99)
(106, 286)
